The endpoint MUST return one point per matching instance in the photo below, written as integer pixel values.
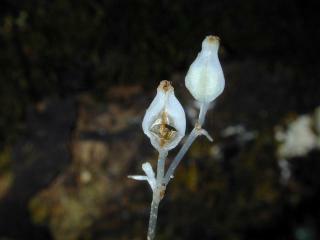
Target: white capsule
(164, 122)
(205, 79)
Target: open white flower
(164, 122)
(205, 79)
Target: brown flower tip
(212, 39)
(165, 85)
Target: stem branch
(192, 136)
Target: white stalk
(158, 194)
(192, 136)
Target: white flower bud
(164, 122)
(205, 79)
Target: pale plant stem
(190, 139)
(192, 136)
(203, 111)
(153, 215)
(157, 195)
(160, 167)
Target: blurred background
(76, 78)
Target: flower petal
(176, 112)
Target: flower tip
(211, 43)
(165, 86)
(212, 39)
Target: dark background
(76, 78)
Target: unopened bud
(205, 79)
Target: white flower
(164, 122)
(205, 79)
